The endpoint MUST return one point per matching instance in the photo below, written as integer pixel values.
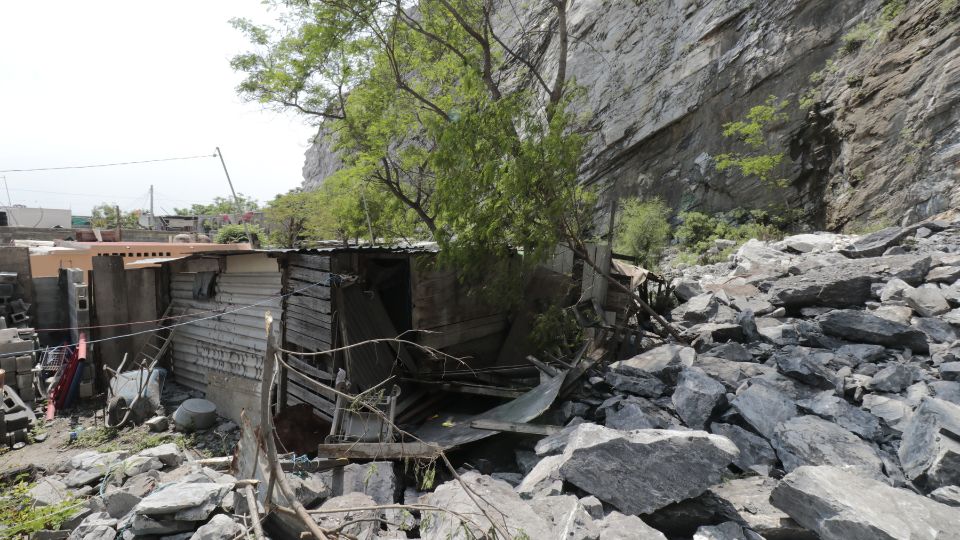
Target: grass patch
(19, 516)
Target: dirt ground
(83, 429)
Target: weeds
(20, 516)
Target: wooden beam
(358, 450)
(514, 427)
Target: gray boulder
(893, 378)
(930, 447)
(617, 526)
(950, 371)
(48, 491)
(747, 501)
(664, 362)
(874, 244)
(810, 440)
(863, 327)
(725, 531)
(644, 470)
(948, 495)
(167, 453)
(843, 505)
(756, 454)
(937, 330)
(943, 274)
(808, 366)
(638, 413)
(351, 513)
(641, 384)
(845, 284)
(543, 480)
(838, 410)
(764, 406)
(696, 397)
(182, 497)
(220, 527)
(569, 519)
(119, 503)
(378, 479)
(513, 515)
(926, 301)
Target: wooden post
(254, 514)
(266, 434)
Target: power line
(107, 164)
(186, 323)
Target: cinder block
(9, 334)
(9, 364)
(25, 381)
(27, 393)
(86, 389)
(16, 346)
(24, 363)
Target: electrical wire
(186, 323)
(107, 164)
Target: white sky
(107, 81)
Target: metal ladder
(158, 343)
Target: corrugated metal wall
(232, 343)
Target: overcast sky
(109, 81)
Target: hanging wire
(107, 164)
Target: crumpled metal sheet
(523, 409)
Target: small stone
(167, 453)
(158, 424)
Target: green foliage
(698, 232)
(289, 216)
(763, 157)
(643, 230)
(104, 216)
(433, 147)
(19, 516)
(946, 6)
(219, 206)
(869, 33)
(236, 233)
(555, 327)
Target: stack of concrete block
(12, 307)
(17, 358)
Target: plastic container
(195, 414)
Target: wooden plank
(312, 262)
(515, 427)
(309, 275)
(314, 332)
(463, 332)
(358, 450)
(305, 341)
(309, 303)
(308, 396)
(307, 369)
(305, 288)
(309, 316)
(430, 314)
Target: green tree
(104, 216)
(236, 233)
(417, 100)
(763, 155)
(288, 216)
(220, 205)
(643, 230)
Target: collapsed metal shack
(325, 299)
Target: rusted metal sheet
(523, 409)
(232, 342)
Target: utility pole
(153, 222)
(236, 199)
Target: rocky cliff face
(872, 133)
